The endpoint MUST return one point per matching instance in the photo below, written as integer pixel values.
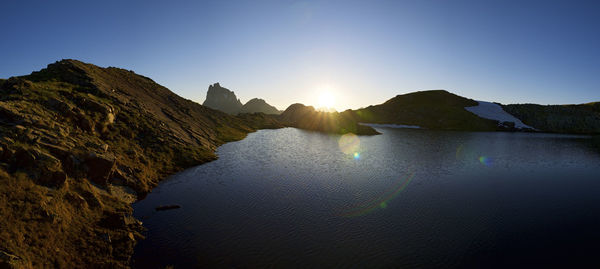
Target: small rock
(7, 140)
(110, 118)
(75, 199)
(131, 237)
(167, 207)
(8, 260)
(20, 129)
(104, 147)
(91, 199)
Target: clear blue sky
(365, 52)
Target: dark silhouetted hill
(225, 100)
(581, 119)
(259, 105)
(306, 117)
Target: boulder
(113, 220)
(85, 123)
(59, 105)
(24, 158)
(91, 105)
(99, 167)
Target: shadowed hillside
(78, 144)
(306, 117)
(436, 109)
(582, 119)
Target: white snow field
(493, 111)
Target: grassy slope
(436, 109)
(61, 204)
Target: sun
(326, 100)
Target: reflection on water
(407, 198)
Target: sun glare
(326, 100)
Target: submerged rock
(167, 207)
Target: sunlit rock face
(222, 99)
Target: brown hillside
(78, 144)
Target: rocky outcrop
(223, 99)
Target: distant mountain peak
(259, 105)
(223, 99)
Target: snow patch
(493, 111)
(375, 125)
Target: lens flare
(487, 161)
(459, 151)
(381, 201)
(356, 155)
(349, 143)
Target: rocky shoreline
(79, 143)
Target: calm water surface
(407, 198)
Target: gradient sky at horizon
(365, 52)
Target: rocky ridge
(220, 98)
(78, 144)
(256, 105)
